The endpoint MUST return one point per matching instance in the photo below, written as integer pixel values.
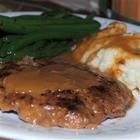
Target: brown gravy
(50, 77)
(129, 43)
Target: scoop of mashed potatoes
(113, 51)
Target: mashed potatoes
(113, 51)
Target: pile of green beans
(45, 35)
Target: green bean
(55, 49)
(5, 43)
(64, 33)
(45, 35)
(40, 19)
(31, 38)
(50, 50)
(13, 28)
(51, 20)
(32, 50)
(36, 20)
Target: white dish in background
(127, 127)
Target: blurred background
(127, 10)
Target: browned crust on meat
(69, 108)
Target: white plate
(120, 129)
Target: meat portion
(73, 98)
